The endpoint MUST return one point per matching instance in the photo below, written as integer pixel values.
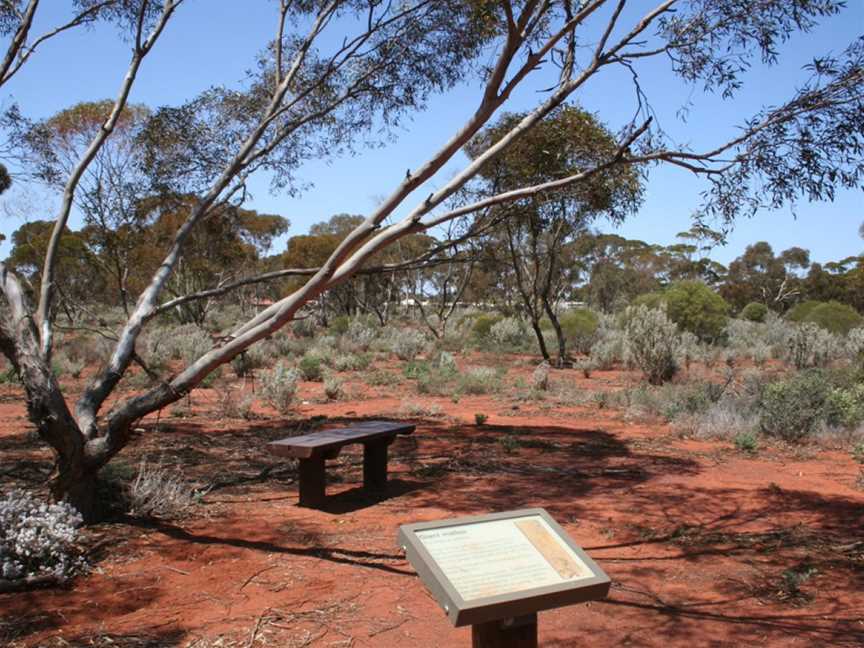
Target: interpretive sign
(501, 566)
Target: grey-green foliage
(652, 341)
(359, 336)
(334, 388)
(407, 344)
(480, 380)
(279, 386)
(510, 334)
(609, 346)
(812, 346)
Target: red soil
(695, 535)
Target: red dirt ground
(695, 535)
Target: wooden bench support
(313, 450)
(375, 464)
(312, 482)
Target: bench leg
(312, 482)
(375, 465)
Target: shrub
(310, 367)
(540, 377)
(64, 366)
(651, 340)
(246, 362)
(609, 346)
(508, 334)
(188, 343)
(855, 343)
(160, 491)
(305, 327)
(37, 539)
(381, 378)
(811, 346)
(791, 409)
(407, 344)
(724, 419)
(483, 324)
(754, 312)
(832, 316)
(360, 335)
(579, 327)
(694, 307)
(446, 363)
(480, 419)
(234, 403)
(746, 442)
(845, 407)
(480, 380)
(352, 362)
(339, 325)
(279, 386)
(333, 388)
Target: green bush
(845, 407)
(483, 324)
(310, 368)
(692, 305)
(832, 316)
(754, 312)
(339, 325)
(580, 328)
(791, 409)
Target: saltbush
(37, 539)
(754, 312)
(407, 344)
(480, 380)
(791, 409)
(305, 327)
(279, 386)
(508, 334)
(609, 346)
(812, 346)
(333, 388)
(651, 341)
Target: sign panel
(502, 565)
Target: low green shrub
(845, 407)
(483, 324)
(580, 328)
(832, 316)
(754, 312)
(746, 442)
(791, 409)
(310, 367)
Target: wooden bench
(314, 449)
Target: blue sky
(213, 42)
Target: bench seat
(314, 449)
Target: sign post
(495, 572)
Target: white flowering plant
(37, 539)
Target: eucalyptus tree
(538, 234)
(339, 69)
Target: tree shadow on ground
(518, 466)
(356, 558)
